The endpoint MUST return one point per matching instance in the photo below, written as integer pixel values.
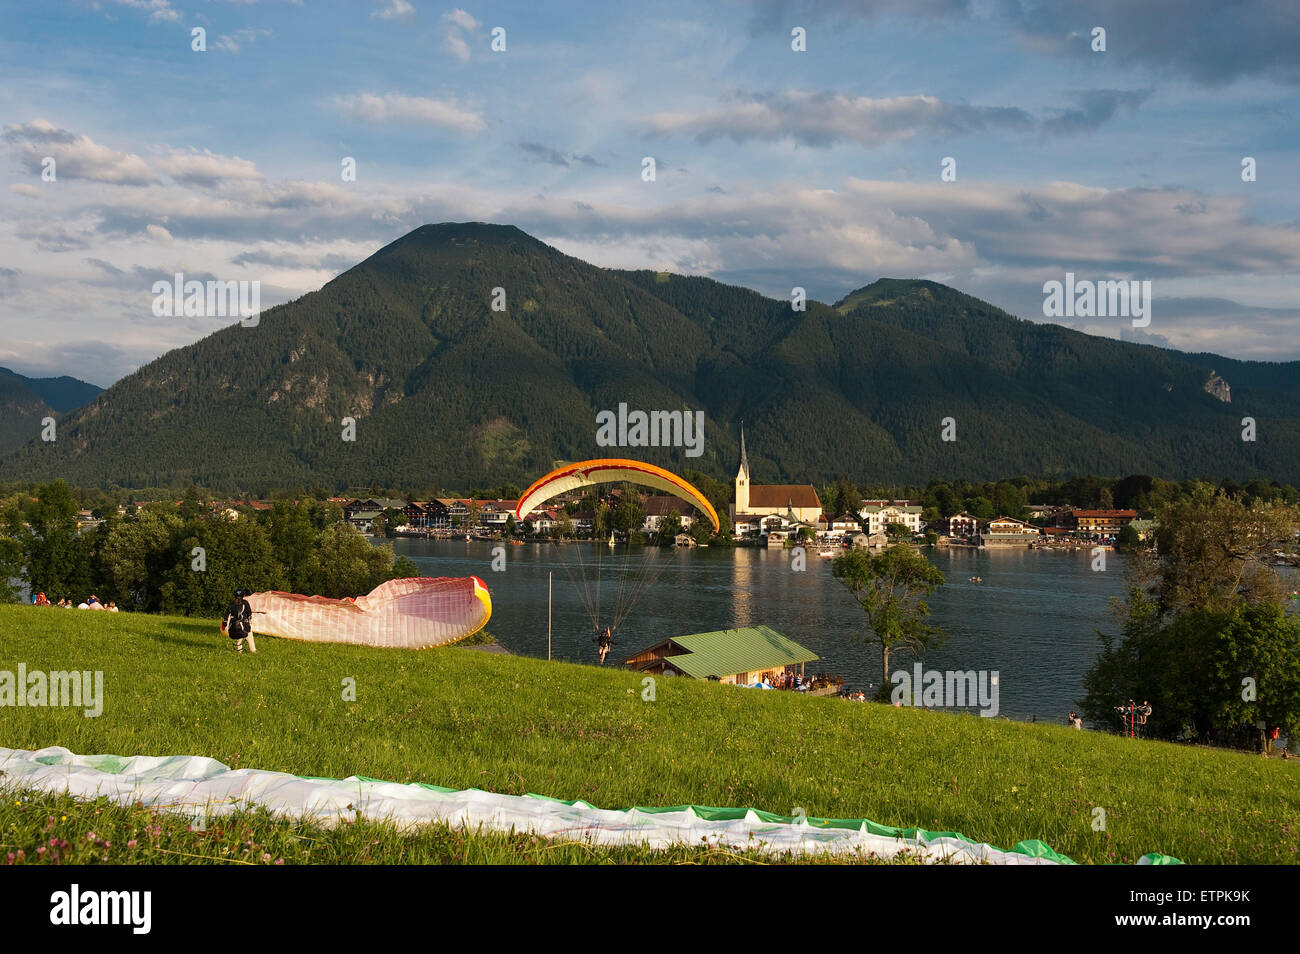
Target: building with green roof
(738, 656)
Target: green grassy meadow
(463, 718)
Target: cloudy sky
(775, 168)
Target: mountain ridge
(447, 392)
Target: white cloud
(816, 118)
(455, 24)
(28, 190)
(412, 110)
(75, 156)
(206, 168)
(160, 11)
(158, 234)
(395, 10)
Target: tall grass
(462, 718)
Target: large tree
(891, 586)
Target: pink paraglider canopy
(415, 613)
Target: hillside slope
(449, 393)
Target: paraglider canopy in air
(634, 576)
(612, 470)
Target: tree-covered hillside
(445, 391)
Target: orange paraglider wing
(612, 470)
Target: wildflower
(279, 861)
(132, 843)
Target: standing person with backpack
(237, 623)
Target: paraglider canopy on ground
(414, 613)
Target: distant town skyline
(774, 168)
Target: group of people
(1134, 718)
(93, 602)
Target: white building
(877, 515)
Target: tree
(1128, 538)
(57, 556)
(1202, 615)
(11, 549)
(627, 515)
(898, 531)
(669, 527)
(1214, 552)
(891, 587)
(135, 554)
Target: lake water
(1033, 619)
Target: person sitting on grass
(237, 623)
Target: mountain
(24, 402)
(446, 392)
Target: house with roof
(658, 506)
(1103, 522)
(963, 525)
(731, 656)
(877, 515)
(1007, 531)
(793, 505)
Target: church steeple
(742, 478)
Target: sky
(774, 167)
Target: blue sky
(775, 168)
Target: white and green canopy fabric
(196, 785)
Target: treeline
(1012, 498)
(187, 559)
(1205, 636)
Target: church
(763, 507)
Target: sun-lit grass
(463, 718)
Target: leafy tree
(891, 587)
(1128, 538)
(236, 553)
(350, 566)
(669, 527)
(898, 531)
(627, 515)
(135, 554)
(57, 557)
(1214, 552)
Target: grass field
(463, 718)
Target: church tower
(742, 478)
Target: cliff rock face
(1216, 386)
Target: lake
(1033, 619)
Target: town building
(1103, 522)
(963, 525)
(789, 504)
(877, 515)
(1007, 531)
(732, 656)
(658, 506)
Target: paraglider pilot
(603, 641)
(237, 623)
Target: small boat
(826, 553)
